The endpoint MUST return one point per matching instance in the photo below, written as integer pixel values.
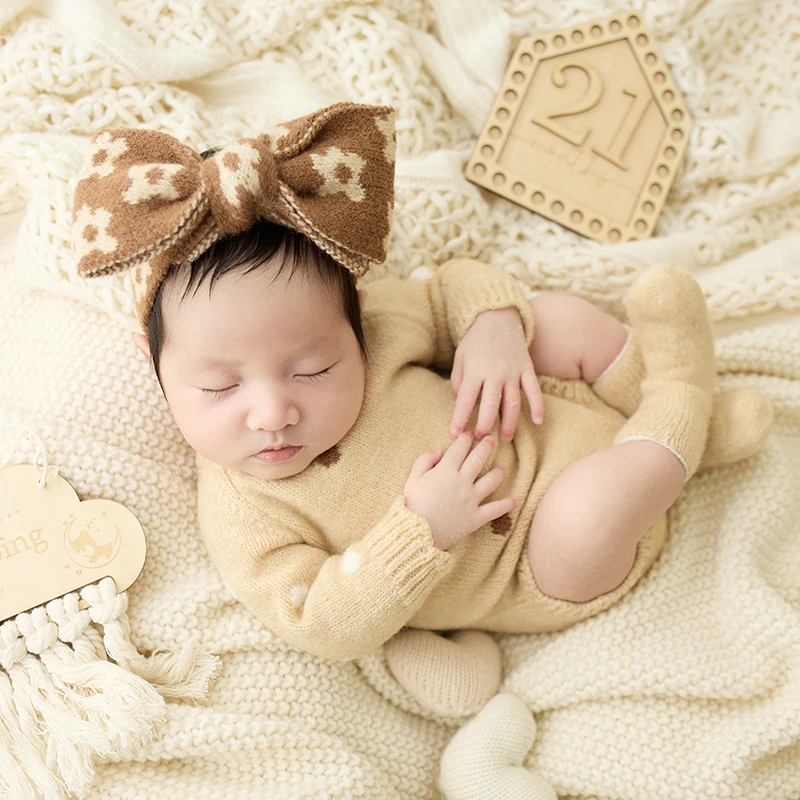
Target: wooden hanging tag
(52, 544)
(588, 129)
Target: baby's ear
(143, 343)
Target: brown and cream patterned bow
(146, 201)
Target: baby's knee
(575, 553)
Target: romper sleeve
(446, 304)
(338, 607)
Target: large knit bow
(147, 201)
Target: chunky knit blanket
(688, 688)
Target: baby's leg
(583, 537)
(573, 338)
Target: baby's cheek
(202, 429)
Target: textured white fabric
(689, 688)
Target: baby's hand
(446, 491)
(492, 360)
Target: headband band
(146, 201)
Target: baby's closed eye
(314, 376)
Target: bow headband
(146, 201)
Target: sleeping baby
(432, 455)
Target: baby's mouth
(273, 456)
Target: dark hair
(250, 251)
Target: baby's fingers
(491, 395)
(490, 511)
(467, 395)
(424, 463)
(534, 394)
(510, 415)
(488, 483)
(458, 451)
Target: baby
(434, 454)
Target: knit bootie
(453, 676)
(619, 385)
(668, 314)
(740, 421)
(483, 761)
(740, 418)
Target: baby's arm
(574, 339)
(337, 607)
(436, 313)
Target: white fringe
(69, 693)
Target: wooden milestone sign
(52, 544)
(588, 129)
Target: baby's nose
(272, 411)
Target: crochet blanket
(688, 688)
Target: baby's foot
(740, 421)
(450, 675)
(668, 312)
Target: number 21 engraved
(589, 99)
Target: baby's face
(262, 362)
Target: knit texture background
(690, 687)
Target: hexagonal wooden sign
(588, 129)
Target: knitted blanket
(688, 688)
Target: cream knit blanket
(690, 687)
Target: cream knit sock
(668, 314)
(483, 761)
(620, 383)
(452, 676)
(740, 418)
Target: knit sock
(740, 418)
(668, 314)
(619, 385)
(484, 759)
(452, 676)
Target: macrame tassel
(69, 739)
(185, 674)
(30, 776)
(122, 703)
(114, 701)
(75, 628)
(70, 694)
(18, 752)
